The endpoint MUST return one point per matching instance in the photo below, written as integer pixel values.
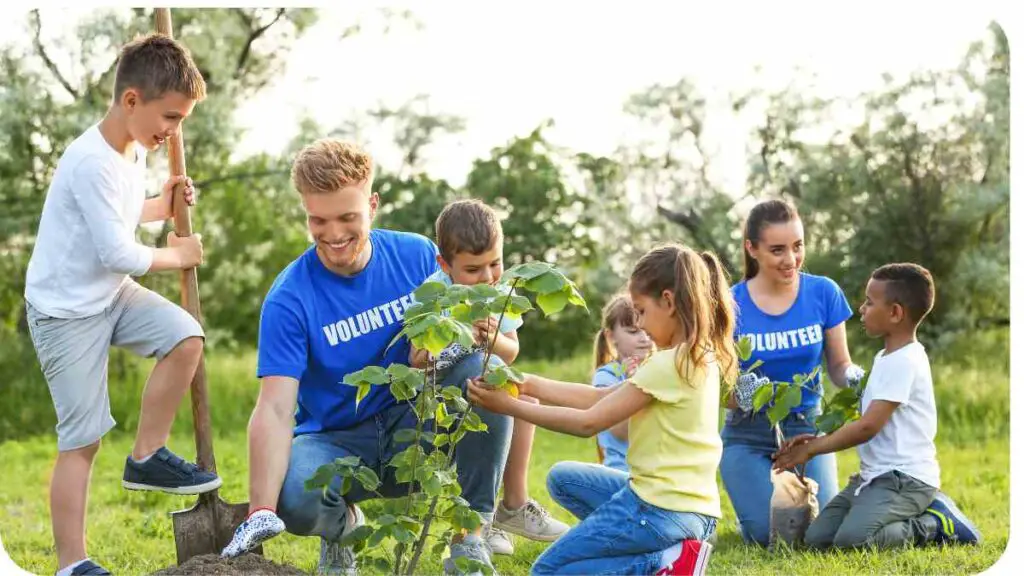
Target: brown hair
(703, 301)
(766, 212)
(618, 311)
(909, 285)
(466, 226)
(328, 165)
(156, 64)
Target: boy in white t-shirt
(81, 300)
(894, 500)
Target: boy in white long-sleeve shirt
(81, 299)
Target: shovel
(206, 527)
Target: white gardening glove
(746, 385)
(854, 374)
(259, 527)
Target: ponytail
(602, 350)
(724, 319)
(618, 311)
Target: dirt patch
(214, 565)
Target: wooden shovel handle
(189, 279)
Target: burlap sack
(794, 505)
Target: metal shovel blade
(207, 527)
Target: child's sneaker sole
(184, 490)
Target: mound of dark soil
(214, 565)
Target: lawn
(130, 532)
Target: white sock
(669, 555)
(66, 571)
(142, 460)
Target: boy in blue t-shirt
(470, 241)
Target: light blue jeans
(479, 458)
(618, 532)
(748, 444)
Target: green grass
(131, 532)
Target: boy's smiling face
(470, 269)
(152, 122)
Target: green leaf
(386, 520)
(435, 340)
(777, 413)
(402, 390)
(349, 461)
(432, 486)
(793, 397)
(462, 564)
(403, 534)
(417, 309)
(496, 378)
(483, 293)
(762, 396)
(550, 281)
(576, 299)
(552, 303)
(368, 375)
(463, 334)
(440, 440)
(361, 393)
(829, 423)
(405, 435)
(519, 305)
(527, 271)
(461, 312)
(397, 370)
(473, 423)
(378, 535)
(429, 291)
(439, 548)
(346, 485)
(757, 364)
(515, 375)
(458, 405)
(360, 534)
(745, 347)
(322, 477)
(451, 392)
(480, 311)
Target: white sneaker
(499, 540)
(530, 521)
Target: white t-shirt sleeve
(95, 191)
(896, 379)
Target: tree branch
(693, 224)
(243, 57)
(37, 43)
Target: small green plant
(782, 397)
(442, 315)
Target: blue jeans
(479, 457)
(618, 532)
(748, 444)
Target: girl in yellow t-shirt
(658, 517)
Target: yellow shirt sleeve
(658, 377)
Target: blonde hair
(618, 311)
(328, 165)
(156, 64)
(703, 301)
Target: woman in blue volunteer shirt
(794, 319)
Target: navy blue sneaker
(90, 568)
(165, 472)
(954, 527)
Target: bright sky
(507, 67)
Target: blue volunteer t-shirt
(793, 342)
(317, 326)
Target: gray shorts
(73, 354)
